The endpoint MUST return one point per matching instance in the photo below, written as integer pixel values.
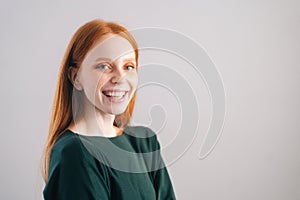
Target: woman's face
(108, 75)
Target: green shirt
(127, 167)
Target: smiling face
(108, 75)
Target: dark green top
(127, 167)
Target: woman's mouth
(115, 96)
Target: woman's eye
(103, 66)
(130, 67)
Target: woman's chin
(116, 111)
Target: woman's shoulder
(67, 146)
(140, 131)
(143, 137)
(67, 140)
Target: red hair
(64, 106)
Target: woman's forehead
(111, 47)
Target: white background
(255, 46)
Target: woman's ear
(73, 77)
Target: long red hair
(65, 104)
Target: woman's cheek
(133, 78)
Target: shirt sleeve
(161, 179)
(72, 176)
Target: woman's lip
(113, 90)
(116, 99)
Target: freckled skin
(110, 64)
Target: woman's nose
(117, 76)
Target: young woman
(91, 152)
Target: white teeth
(114, 94)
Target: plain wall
(254, 46)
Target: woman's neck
(96, 123)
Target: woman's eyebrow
(110, 60)
(129, 60)
(103, 58)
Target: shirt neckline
(98, 136)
